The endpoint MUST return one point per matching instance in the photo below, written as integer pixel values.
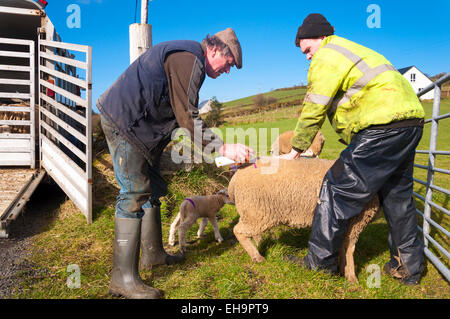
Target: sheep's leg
(257, 239)
(173, 229)
(346, 261)
(356, 226)
(185, 224)
(215, 226)
(246, 242)
(350, 263)
(201, 229)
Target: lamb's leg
(215, 226)
(201, 229)
(246, 242)
(173, 229)
(185, 224)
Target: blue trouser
(377, 161)
(141, 183)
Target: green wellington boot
(125, 279)
(153, 252)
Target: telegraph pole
(140, 34)
(144, 11)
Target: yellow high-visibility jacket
(355, 87)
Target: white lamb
(192, 208)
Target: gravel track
(15, 253)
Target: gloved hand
(239, 153)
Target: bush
(258, 100)
(271, 100)
(261, 100)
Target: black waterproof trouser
(377, 161)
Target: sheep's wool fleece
(293, 187)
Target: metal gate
(17, 103)
(65, 124)
(438, 236)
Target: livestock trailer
(45, 110)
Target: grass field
(214, 270)
(280, 95)
(237, 111)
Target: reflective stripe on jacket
(355, 87)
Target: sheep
(192, 208)
(5, 129)
(288, 197)
(283, 143)
(14, 116)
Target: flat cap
(228, 37)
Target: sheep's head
(224, 194)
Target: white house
(205, 106)
(418, 80)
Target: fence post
(431, 161)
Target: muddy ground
(15, 251)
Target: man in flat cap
(376, 112)
(158, 93)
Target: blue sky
(411, 33)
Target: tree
(212, 118)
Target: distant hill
(279, 98)
(289, 94)
(282, 95)
(438, 76)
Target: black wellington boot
(153, 252)
(125, 279)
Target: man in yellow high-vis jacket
(376, 112)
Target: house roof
(404, 70)
(205, 106)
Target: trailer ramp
(16, 187)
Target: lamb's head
(223, 193)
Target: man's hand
(290, 156)
(237, 152)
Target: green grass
(224, 270)
(440, 179)
(238, 110)
(284, 123)
(281, 96)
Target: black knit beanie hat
(315, 25)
